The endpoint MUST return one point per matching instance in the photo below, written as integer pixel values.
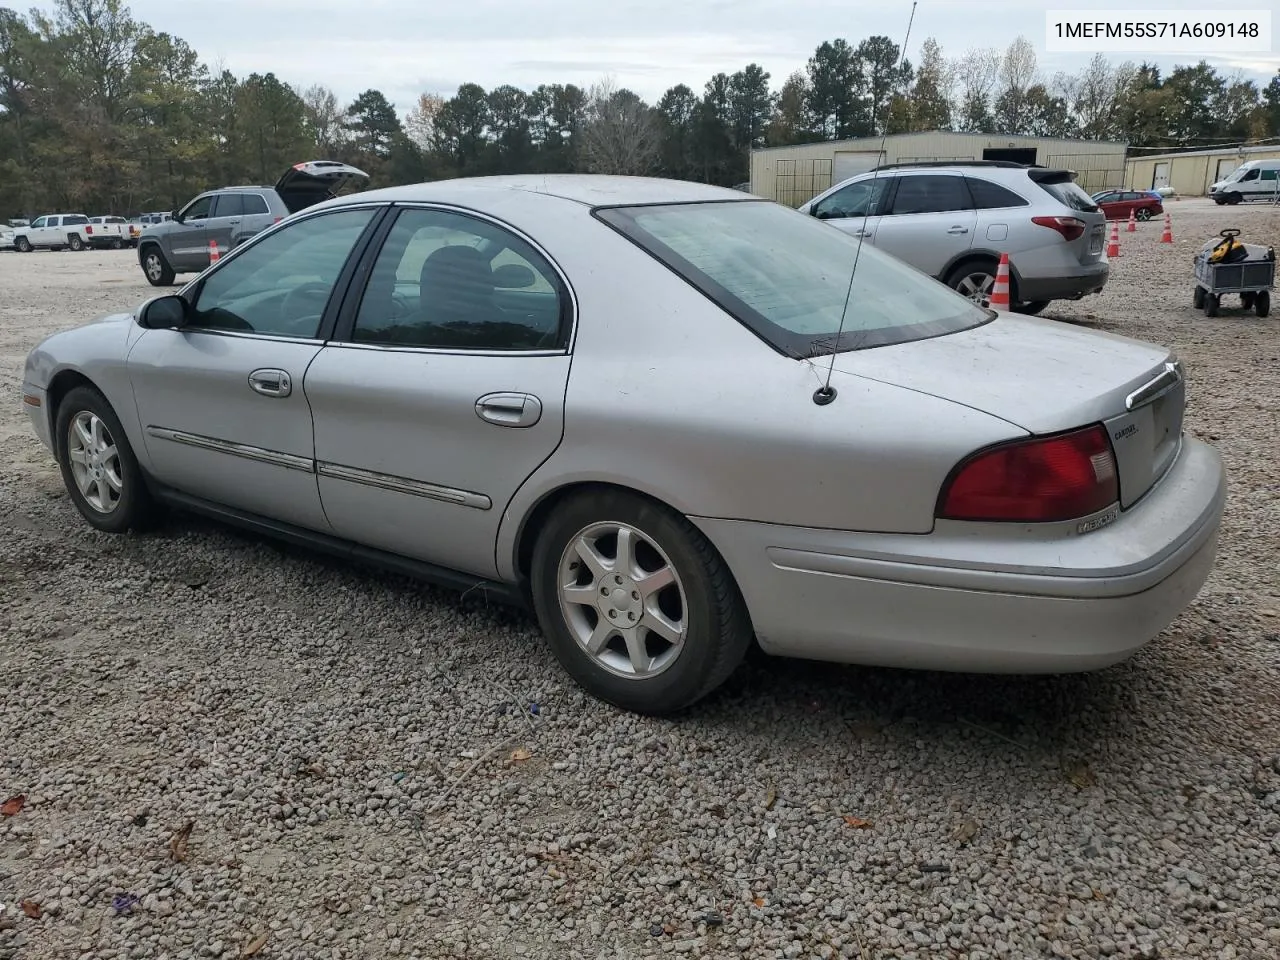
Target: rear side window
(254, 203)
(74, 221)
(1270, 174)
(1069, 194)
(992, 196)
(930, 193)
(227, 205)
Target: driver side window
(199, 208)
(862, 199)
(280, 286)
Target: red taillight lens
(1069, 227)
(88, 229)
(1064, 477)
(277, 219)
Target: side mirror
(164, 313)
(513, 276)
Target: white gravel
(343, 740)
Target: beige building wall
(1190, 173)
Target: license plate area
(1146, 441)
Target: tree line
(100, 113)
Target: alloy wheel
(95, 462)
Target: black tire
(1233, 198)
(971, 271)
(717, 627)
(1211, 304)
(133, 508)
(1262, 303)
(74, 242)
(155, 267)
(1030, 307)
(1197, 298)
(1143, 214)
(117, 244)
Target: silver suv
(231, 215)
(952, 220)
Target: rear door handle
(271, 383)
(864, 233)
(509, 409)
(958, 230)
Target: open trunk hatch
(1047, 377)
(314, 181)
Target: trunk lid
(313, 181)
(1090, 247)
(1046, 377)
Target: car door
(855, 208)
(930, 221)
(220, 400)
(189, 239)
(37, 233)
(257, 217)
(443, 389)
(224, 220)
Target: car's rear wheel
(74, 242)
(98, 466)
(637, 605)
(1144, 214)
(156, 267)
(117, 244)
(974, 280)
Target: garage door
(849, 163)
(1225, 166)
(1161, 178)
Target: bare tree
(976, 73)
(1018, 74)
(324, 117)
(621, 135)
(420, 124)
(1094, 96)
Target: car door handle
(864, 233)
(271, 383)
(958, 230)
(509, 409)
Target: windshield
(1236, 174)
(786, 275)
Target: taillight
(88, 228)
(1043, 480)
(1069, 227)
(277, 220)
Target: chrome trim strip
(244, 450)
(448, 351)
(416, 488)
(1157, 387)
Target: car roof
(584, 188)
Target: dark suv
(229, 216)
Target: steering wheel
(304, 303)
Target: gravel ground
(374, 769)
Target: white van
(1255, 180)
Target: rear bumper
(971, 599)
(1068, 284)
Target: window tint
(74, 221)
(1251, 175)
(991, 196)
(254, 203)
(1269, 174)
(199, 208)
(786, 277)
(865, 198)
(930, 193)
(40, 222)
(1069, 194)
(227, 205)
(280, 285)
(449, 281)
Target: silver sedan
(671, 418)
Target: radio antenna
(826, 393)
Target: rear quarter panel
(670, 396)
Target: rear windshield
(786, 276)
(1070, 193)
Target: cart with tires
(1252, 278)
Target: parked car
(6, 238)
(1253, 180)
(1117, 204)
(111, 232)
(231, 215)
(952, 220)
(55, 231)
(147, 219)
(135, 227)
(596, 395)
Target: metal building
(793, 174)
(1191, 172)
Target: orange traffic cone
(1133, 222)
(1113, 247)
(1000, 289)
(214, 256)
(1167, 236)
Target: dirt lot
(343, 741)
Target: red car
(1116, 204)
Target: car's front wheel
(156, 267)
(98, 466)
(637, 605)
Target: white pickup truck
(112, 232)
(55, 231)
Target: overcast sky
(404, 47)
